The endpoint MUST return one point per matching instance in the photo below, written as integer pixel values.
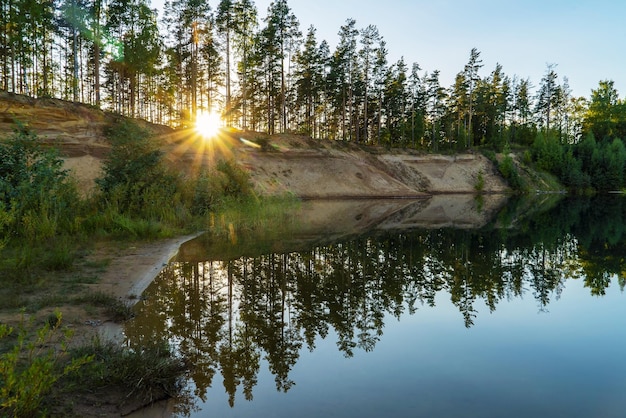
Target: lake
(453, 306)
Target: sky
(586, 39)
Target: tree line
(265, 74)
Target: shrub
(38, 199)
(135, 179)
(491, 156)
(7, 218)
(548, 152)
(509, 171)
(236, 180)
(205, 194)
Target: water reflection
(227, 313)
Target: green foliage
(509, 171)
(491, 156)
(525, 135)
(548, 152)
(137, 185)
(31, 368)
(480, 182)
(206, 193)
(58, 256)
(607, 165)
(38, 200)
(7, 218)
(140, 198)
(135, 179)
(583, 151)
(145, 373)
(572, 175)
(605, 117)
(236, 180)
(586, 165)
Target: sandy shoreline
(133, 269)
(127, 276)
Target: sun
(208, 124)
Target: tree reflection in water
(225, 315)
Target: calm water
(512, 310)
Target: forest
(265, 74)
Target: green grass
(146, 373)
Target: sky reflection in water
(516, 328)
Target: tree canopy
(263, 72)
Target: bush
(135, 179)
(206, 193)
(236, 180)
(491, 156)
(509, 171)
(548, 152)
(38, 199)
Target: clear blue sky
(585, 38)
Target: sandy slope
(286, 163)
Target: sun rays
(198, 148)
(208, 124)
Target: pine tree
(435, 95)
(547, 97)
(396, 100)
(281, 37)
(524, 133)
(371, 42)
(224, 20)
(471, 74)
(135, 25)
(342, 76)
(458, 105)
(187, 20)
(309, 80)
(417, 95)
(245, 26)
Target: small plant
(491, 156)
(30, 369)
(480, 182)
(145, 373)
